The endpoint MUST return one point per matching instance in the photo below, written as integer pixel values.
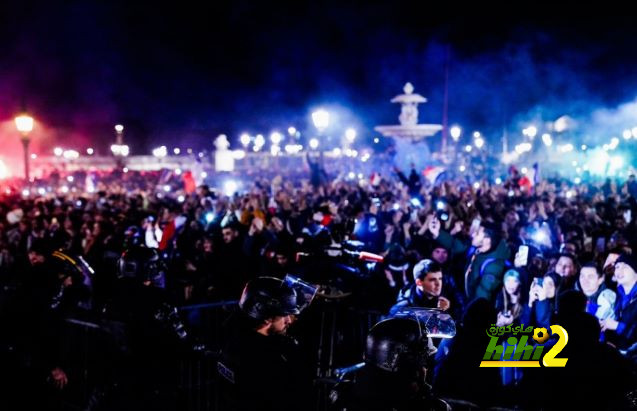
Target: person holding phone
(484, 258)
(509, 302)
(542, 300)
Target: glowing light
(181, 198)
(239, 154)
(574, 163)
(70, 154)
(210, 217)
(524, 170)
(530, 131)
(547, 139)
(24, 124)
(176, 150)
(293, 148)
(314, 143)
(201, 154)
(58, 151)
(259, 140)
(351, 175)
(468, 148)
(125, 169)
(120, 149)
(178, 171)
(584, 147)
(25, 192)
(203, 174)
(119, 128)
(337, 152)
(65, 189)
(577, 180)
(321, 119)
(396, 206)
(90, 151)
(230, 187)
(462, 169)
(523, 148)
(476, 185)
(69, 179)
(291, 130)
(360, 176)
(350, 135)
(275, 150)
(4, 171)
(440, 205)
(455, 133)
(498, 180)
(627, 134)
(566, 148)
(245, 139)
(160, 152)
(614, 142)
(276, 137)
(376, 140)
(34, 156)
(479, 142)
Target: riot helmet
(143, 264)
(397, 345)
(267, 297)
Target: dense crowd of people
(513, 253)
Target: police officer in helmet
(393, 378)
(261, 367)
(147, 335)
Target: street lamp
(321, 119)
(350, 135)
(24, 124)
(119, 149)
(455, 133)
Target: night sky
(184, 72)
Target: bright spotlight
(455, 132)
(350, 135)
(245, 139)
(547, 139)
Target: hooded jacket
(484, 279)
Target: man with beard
(260, 365)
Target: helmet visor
(435, 323)
(305, 292)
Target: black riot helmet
(397, 345)
(143, 264)
(75, 267)
(267, 297)
(133, 236)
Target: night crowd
(518, 252)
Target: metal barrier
(87, 362)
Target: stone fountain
(409, 129)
